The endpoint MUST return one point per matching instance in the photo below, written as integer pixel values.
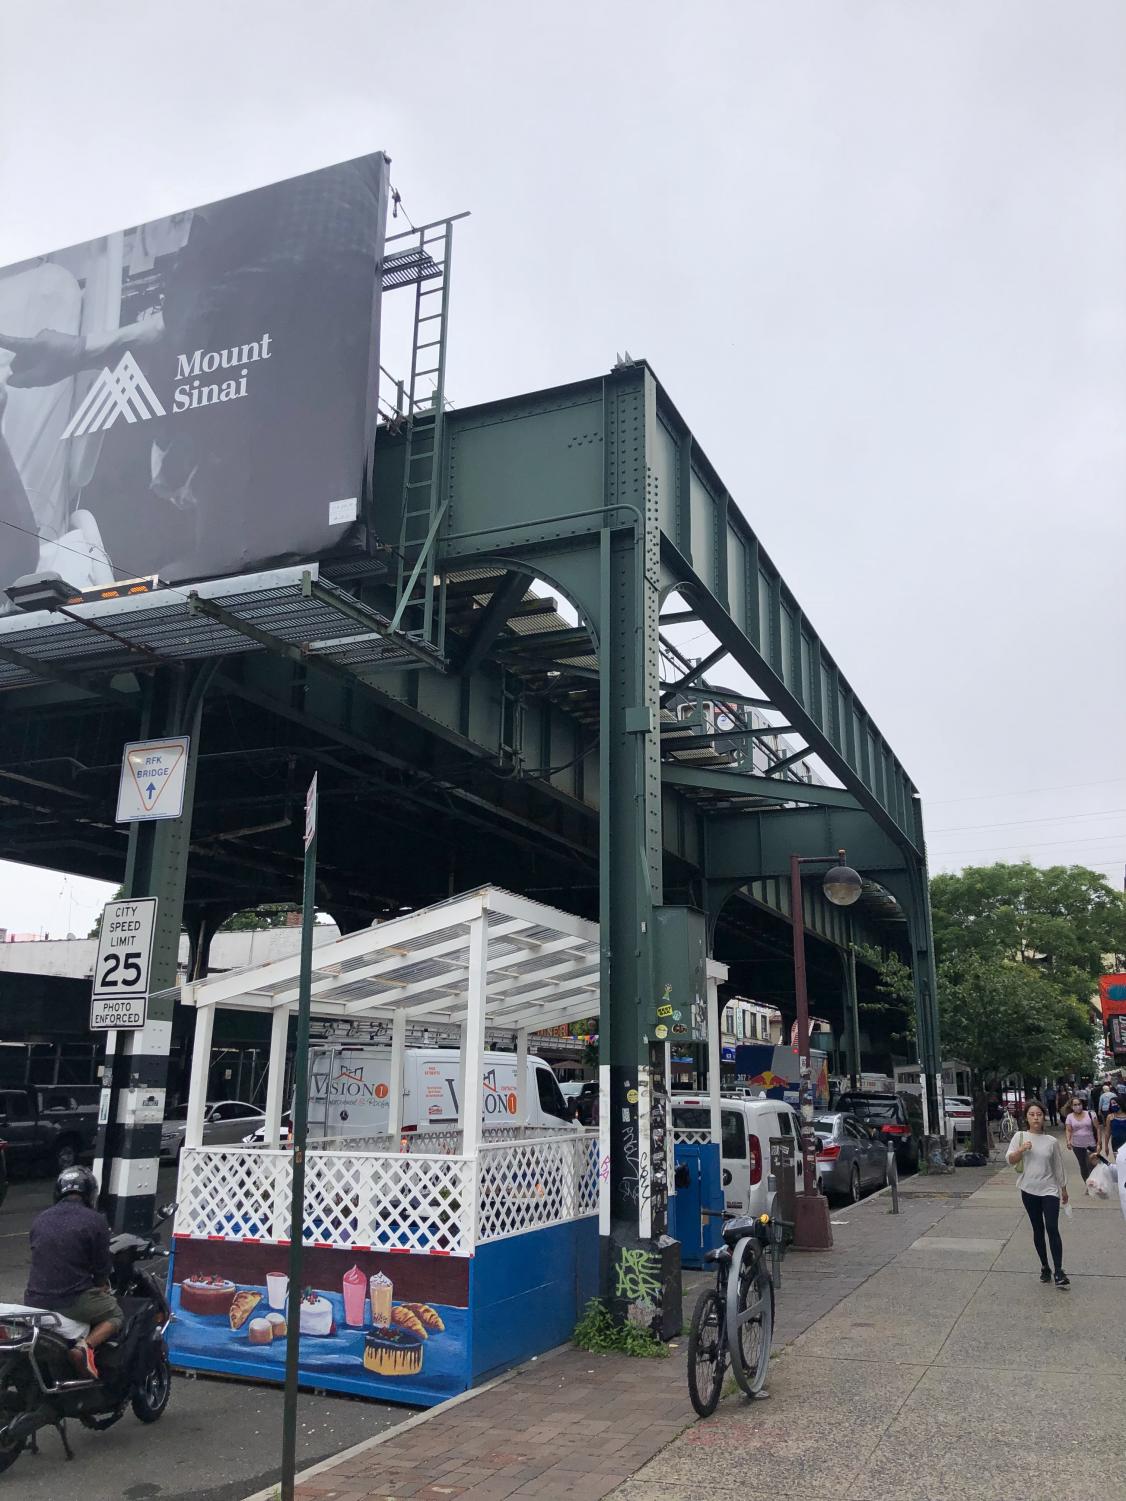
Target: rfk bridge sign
(120, 994)
(153, 773)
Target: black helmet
(77, 1180)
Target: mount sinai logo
(124, 391)
(120, 392)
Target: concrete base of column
(812, 1230)
(641, 1282)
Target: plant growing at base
(600, 1333)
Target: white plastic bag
(1100, 1181)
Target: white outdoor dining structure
(490, 1232)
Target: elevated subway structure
(468, 732)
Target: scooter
(38, 1385)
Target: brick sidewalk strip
(577, 1425)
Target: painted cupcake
(393, 1351)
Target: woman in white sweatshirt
(1043, 1185)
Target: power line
(1006, 823)
(983, 797)
(1042, 845)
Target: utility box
(680, 954)
(784, 1171)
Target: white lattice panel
(352, 1199)
(527, 1185)
(682, 1133)
(237, 1193)
(388, 1202)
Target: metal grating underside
(163, 626)
(406, 267)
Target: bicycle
(740, 1303)
(1007, 1126)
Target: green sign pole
(300, 1131)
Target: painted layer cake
(393, 1351)
(206, 1295)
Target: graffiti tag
(638, 1275)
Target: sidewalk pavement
(903, 1354)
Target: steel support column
(640, 1268)
(128, 1148)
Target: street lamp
(842, 886)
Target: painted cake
(393, 1351)
(316, 1314)
(259, 1332)
(276, 1322)
(207, 1295)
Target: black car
(3, 1170)
(897, 1117)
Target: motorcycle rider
(70, 1264)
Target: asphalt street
(218, 1441)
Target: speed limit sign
(121, 971)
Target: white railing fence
(684, 1133)
(360, 1194)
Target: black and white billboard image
(196, 396)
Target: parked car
(898, 1118)
(3, 1172)
(960, 1110)
(851, 1157)
(582, 1099)
(224, 1122)
(47, 1128)
(747, 1126)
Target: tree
(1019, 951)
(96, 930)
(1065, 920)
(1004, 1017)
(269, 915)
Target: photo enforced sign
(195, 397)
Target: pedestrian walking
(1043, 1187)
(1082, 1131)
(1050, 1101)
(1114, 1129)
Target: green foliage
(269, 915)
(96, 930)
(598, 1332)
(895, 981)
(1004, 1017)
(1066, 919)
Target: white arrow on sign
(153, 773)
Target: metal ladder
(420, 602)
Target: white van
(744, 1152)
(349, 1089)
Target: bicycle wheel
(750, 1318)
(1007, 1128)
(707, 1353)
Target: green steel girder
(531, 471)
(740, 784)
(742, 848)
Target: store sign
(195, 396)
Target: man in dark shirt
(70, 1264)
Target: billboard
(195, 396)
(1112, 999)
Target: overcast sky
(875, 250)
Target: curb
(273, 1490)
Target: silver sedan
(850, 1157)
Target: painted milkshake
(381, 1290)
(355, 1291)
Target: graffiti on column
(637, 1280)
